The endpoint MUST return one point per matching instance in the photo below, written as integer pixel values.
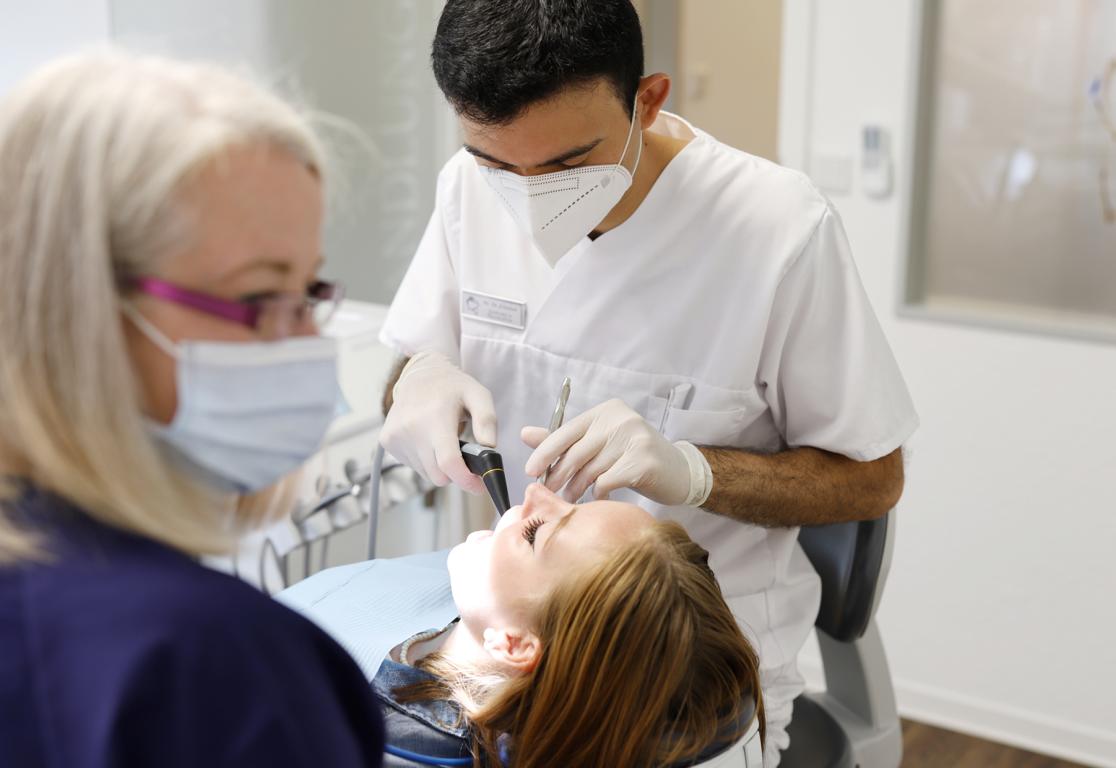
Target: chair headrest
(850, 558)
(726, 738)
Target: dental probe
(557, 419)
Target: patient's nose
(539, 498)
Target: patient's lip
(478, 535)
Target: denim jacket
(435, 728)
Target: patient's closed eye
(530, 529)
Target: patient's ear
(517, 649)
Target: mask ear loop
(148, 329)
(628, 142)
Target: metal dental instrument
(489, 465)
(557, 418)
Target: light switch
(875, 162)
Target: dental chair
(855, 722)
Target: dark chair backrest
(851, 559)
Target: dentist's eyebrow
(483, 155)
(560, 525)
(575, 152)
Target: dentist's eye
(530, 529)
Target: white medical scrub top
(731, 285)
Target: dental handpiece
(489, 465)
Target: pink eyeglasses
(273, 317)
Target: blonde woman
(589, 635)
(159, 356)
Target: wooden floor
(927, 747)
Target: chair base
(878, 746)
(817, 740)
(859, 696)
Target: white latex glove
(614, 447)
(429, 403)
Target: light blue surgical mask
(248, 412)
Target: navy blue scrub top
(122, 652)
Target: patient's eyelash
(531, 529)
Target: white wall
(1000, 614)
(727, 78)
(33, 33)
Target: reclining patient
(589, 635)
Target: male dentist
(728, 371)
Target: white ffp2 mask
(558, 209)
(248, 412)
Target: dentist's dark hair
(495, 58)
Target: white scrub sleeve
(832, 380)
(425, 313)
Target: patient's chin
(463, 564)
(476, 536)
(471, 578)
(453, 559)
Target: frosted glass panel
(1017, 205)
(365, 62)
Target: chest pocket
(708, 415)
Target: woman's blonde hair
(94, 149)
(642, 664)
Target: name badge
(492, 309)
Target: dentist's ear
(514, 648)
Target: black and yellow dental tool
(489, 465)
